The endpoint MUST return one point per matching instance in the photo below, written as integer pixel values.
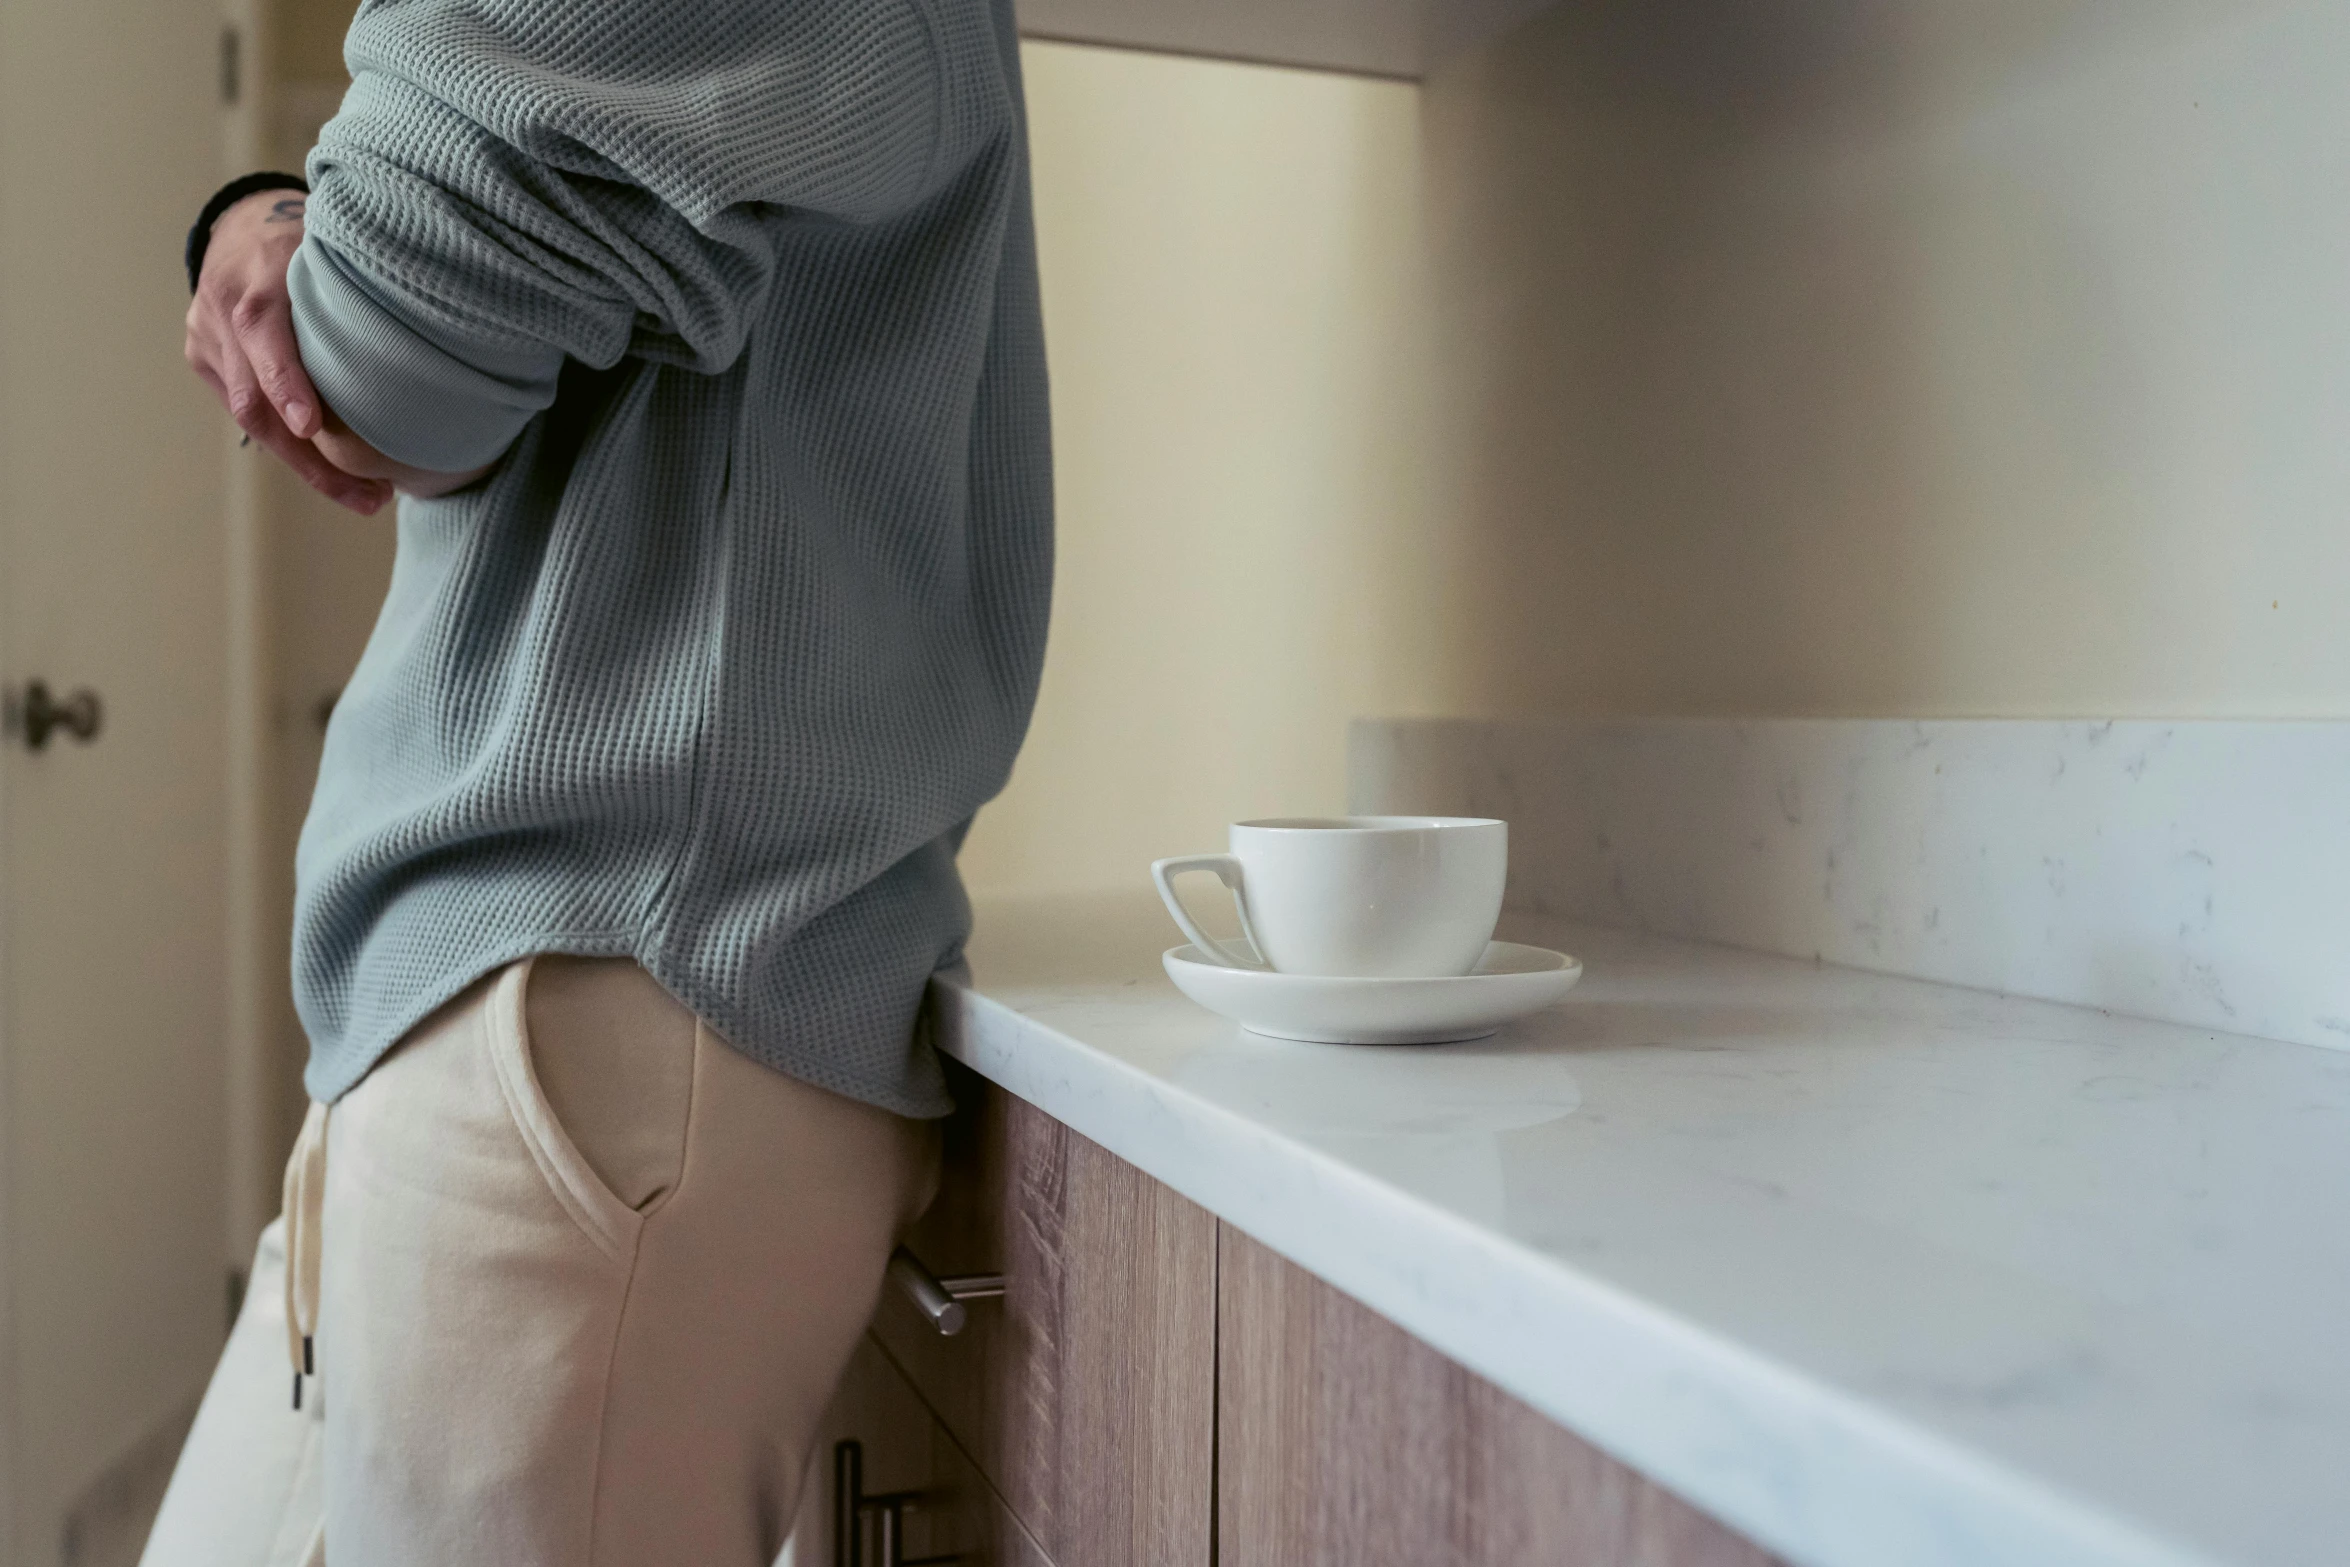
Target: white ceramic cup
(1355, 895)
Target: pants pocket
(599, 1212)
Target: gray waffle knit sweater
(715, 666)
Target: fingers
(242, 346)
(203, 354)
(364, 496)
(264, 327)
(232, 375)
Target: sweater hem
(337, 1069)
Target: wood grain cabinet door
(949, 1510)
(1086, 1396)
(1345, 1439)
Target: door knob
(36, 715)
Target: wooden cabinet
(1345, 1439)
(1087, 1395)
(903, 1450)
(1156, 1388)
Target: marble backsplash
(2193, 872)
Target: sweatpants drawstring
(305, 1201)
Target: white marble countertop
(1875, 1270)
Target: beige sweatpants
(585, 1280)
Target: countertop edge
(1809, 1472)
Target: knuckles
(249, 312)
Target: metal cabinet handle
(36, 715)
(851, 1506)
(941, 1300)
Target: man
(702, 342)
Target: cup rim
(1366, 824)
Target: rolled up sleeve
(513, 183)
(420, 396)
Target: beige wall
(1883, 358)
(1230, 288)
(306, 38)
(1895, 358)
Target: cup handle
(1226, 869)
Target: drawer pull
(851, 1506)
(941, 1300)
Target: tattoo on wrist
(287, 211)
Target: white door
(112, 579)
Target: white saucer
(1509, 982)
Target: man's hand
(346, 450)
(241, 341)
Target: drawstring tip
(297, 1390)
(309, 1365)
